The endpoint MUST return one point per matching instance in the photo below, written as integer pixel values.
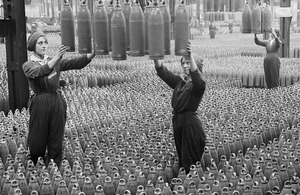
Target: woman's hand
(190, 57)
(157, 63)
(189, 50)
(273, 32)
(90, 56)
(61, 51)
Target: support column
(285, 23)
(298, 13)
(14, 29)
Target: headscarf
(31, 43)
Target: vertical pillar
(298, 13)
(285, 23)
(16, 55)
(48, 8)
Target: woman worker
(271, 61)
(188, 91)
(47, 106)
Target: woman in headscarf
(271, 61)
(47, 106)
(188, 91)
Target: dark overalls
(271, 61)
(47, 107)
(188, 130)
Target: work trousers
(189, 138)
(46, 126)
